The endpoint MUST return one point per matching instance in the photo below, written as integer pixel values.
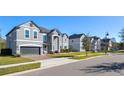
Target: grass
(71, 54)
(14, 69)
(83, 57)
(5, 60)
(77, 55)
(119, 51)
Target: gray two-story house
(75, 42)
(25, 38)
(30, 39)
(106, 43)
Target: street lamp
(106, 43)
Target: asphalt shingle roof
(44, 30)
(75, 36)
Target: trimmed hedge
(65, 50)
(20, 68)
(6, 51)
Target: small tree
(86, 43)
(121, 35)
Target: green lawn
(77, 55)
(14, 69)
(83, 56)
(5, 60)
(119, 51)
(71, 54)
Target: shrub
(56, 51)
(6, 51)
(65, 50)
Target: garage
(25, 50)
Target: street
(111, 65)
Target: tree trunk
(86, 53)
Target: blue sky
(95, 25)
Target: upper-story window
(27, 33)
(35, 34)
(44, 38)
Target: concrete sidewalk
(56, 62)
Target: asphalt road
(111, 65)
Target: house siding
(11, 43)
(65, 42)
(75, 44)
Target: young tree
(86, 43)
(121, 35)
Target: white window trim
(29, 33)
(33, 34)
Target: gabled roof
(65, 34)
(74, 36)
(106, 39)
(44, 30)
(55, 29)
(95, 37)
(17, 27)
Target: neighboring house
(65, 41)
(106, 42)
(95, 44)
(54, 41)
(75, 42)
(30, 39)
(57, 41)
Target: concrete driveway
(110, 65)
